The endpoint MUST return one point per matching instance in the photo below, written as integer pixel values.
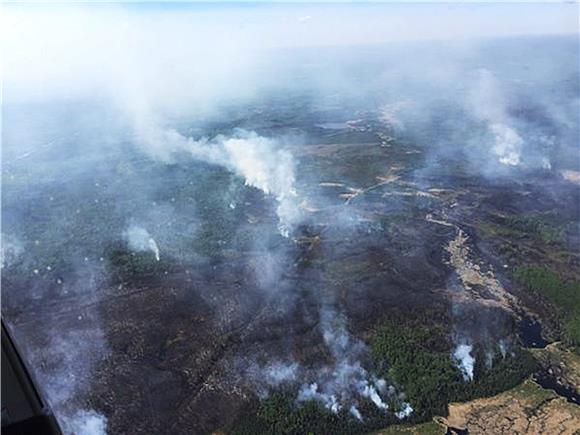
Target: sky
(66, 49)
(289, 1)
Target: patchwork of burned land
(376, 239)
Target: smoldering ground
(168, 197)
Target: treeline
(564, 296)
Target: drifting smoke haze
(175, 142)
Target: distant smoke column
(153, 247)
(264, 166)
(508, 144)
(489, 106)
(258, 160)
(503, 347)
(464, 359)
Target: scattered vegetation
(564, 296)
(536, 227)
(540, 228)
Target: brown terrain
(527, 409)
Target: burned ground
(176, 330)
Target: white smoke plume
(85, 423)
(508, 144)
(258, 160)
(140, 240)
(503, 347)
(464, 360)
(489, 106)
(405, 411)
(346, 382)
(355, 412)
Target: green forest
(564, 296)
